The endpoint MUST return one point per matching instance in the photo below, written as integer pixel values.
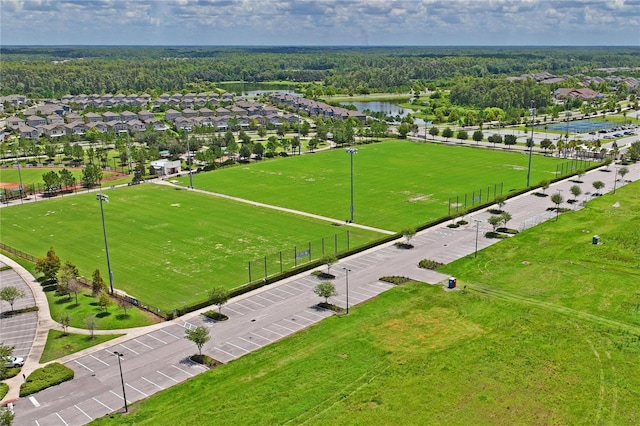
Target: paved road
(157, 359)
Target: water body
(253, 90)
(387, 107)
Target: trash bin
(452, 282)
(595, 239)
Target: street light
(347, 270)
(532, 112)
(124, 396)
(615, 180)
(351, 152)
(103, 197)
(20, 178)
(477, 221)
(189, 164)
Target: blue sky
(321, 22)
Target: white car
(14, 361)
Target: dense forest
(46, 72)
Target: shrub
(216, 316)
(462, 222)
(453, 225)
(205, 360)
(396, 279)
(508, 230)
(429, 264)
(498, 235)
(43, 378)
(4, 388)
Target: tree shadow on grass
(123, 317)
(103, 314)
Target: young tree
(97, 284)
(124, 305)
(51, 181)
(245, 152)
(64, 321)
(434, 131)
(219, 296)
(312, 144)
(329, 260)
(408, 234)
(494, 221)
(74, 288)
(623, 171)
(510, 140)
(580, 173)
(462, 135)
(11, 294)
(104, 301)
(575, 191)
(91, 324)
(546, 144)
(325, 289)
(557, 200)
(544, 184)
(199, 336)
(68, 272)
(5, 353)
(494, 139)
(447, 133)
(478, 136)
(49, 265)
(505, 217)
(598, 185)
(500, 200)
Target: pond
(387, 107)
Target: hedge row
(43, 378)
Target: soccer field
(396, 184)
(166, 245)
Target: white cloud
(299, 22)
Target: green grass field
(420, 355)
(397, 184)
(33, 175)
(59, 345)
(166, 245)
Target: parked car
(14, 361)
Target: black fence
(475, 198)
(298, 255)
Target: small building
(165, 167)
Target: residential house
(110, 116)
(92, 117)
(146, 116)
(136, 126)
(73, 117)
(158, 125)
(100, 126)
(76, 128)
(238, 111)
(14, 122)
(206, 112)
(118, 126)
(172, 114)
(188, 112)
(55, 119)
(28, 132)
(54, 130)
(223, 112)
(35, 120)
(183, 123)
(128, 116)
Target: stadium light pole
(532, 112)
(20, 179)
(103, 197)
(347, 270)
(124, 396)
(351, 152)
(477, 221)
(615, 180)
(189, 164)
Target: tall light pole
(20, 178)
(351, 152)
(347, 270)
(477, 221)
(124, 396)
(615, 180)
(189, 164)
(103, 197)
(532, 111)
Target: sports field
(166, 245)
(397, 184)
(546, 351)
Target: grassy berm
(499, 352)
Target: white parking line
(155, 338)
(294, 322)
(99, 360)
(168, 377)
(313, 313)
(61, 419)
(272, 293)
(262, 337)
(34, 402)
(284, 291)
(129, 349)
(256, 303)
(149, 381)
(80, 409)
(233, 310)
(249, 341)
(104, 405)
(119, 396)
(184, 371)
(137, 390)
(169, 333)
(37, 424)
(282, 326)
(222, 350)
(236, 346)
(274, 332)
(245, 307)
(82, 365)
(143, 344)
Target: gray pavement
(156, 357)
